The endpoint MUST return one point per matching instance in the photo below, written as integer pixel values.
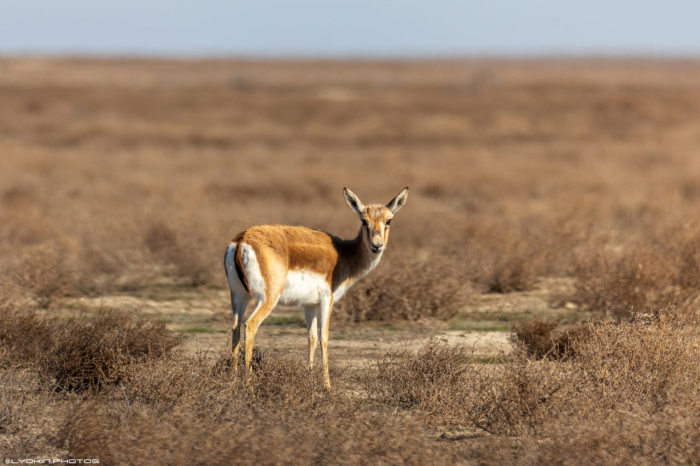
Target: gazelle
(299, 266)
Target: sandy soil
(203, 315)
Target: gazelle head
(376, 218)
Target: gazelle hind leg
(312, 328)
(251, 325)
(324, 314)
(239, 303)
(239, 300)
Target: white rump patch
(230, 262)
(256, 284)
(304, 288)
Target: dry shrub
(407, 290)
(250, 436)
(160, 239)
(180, 250)
(77, 354)
(631, 434)
(651, 359)
(504, 257)
(187, 410)
(511, 271)
(509, 398)
(547, 339)
(286, 381)
(629, 396)
(516, 398)
(44, 274)
(688, 265)
(637, 278)
(102, 350)
(162, 384)
(24, 336)
(30, 416)
(646, 366)
(425, 378)
(193, 380)
(633, 372)
(634, 400)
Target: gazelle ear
(353, 201)
(396, 203)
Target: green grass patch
(494, 360)
(198, 330)
(183, 318)
(502, 316)
(481, 326)
(168, 292)
(284, 321)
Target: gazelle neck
(367, 259)
(355, 260)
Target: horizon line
(355, 57)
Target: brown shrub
(250, 436)
(634, 400)
(186, 410)
(280, 381)
(160, 239)
(77, 354)
(638, 278)
(24, 336)
(407, 290)
(629, 395)
(510, 398)
(102, 351)
(647, 365)
(547, 339)
(425, 378)
(651, 359)
(180, 251)
(505, 257)
(30, 416)
(44, 274)
(630, 434)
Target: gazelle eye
(388, 222)
(364, 223)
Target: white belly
(304, 289)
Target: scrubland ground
(538, 300)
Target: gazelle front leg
(324, 314)
(311, 327)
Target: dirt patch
(483, 328)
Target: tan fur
(280, 248)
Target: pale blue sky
(340, 28)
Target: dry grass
(627, 396)
(642, 375)
(187, 409)
(117, 176)
(518, 171)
